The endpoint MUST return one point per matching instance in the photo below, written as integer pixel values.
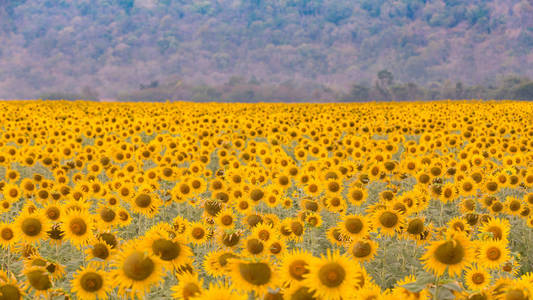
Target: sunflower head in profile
(454, 254)
(253, 275)
(331, 276)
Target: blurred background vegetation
(266, 50)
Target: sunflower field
(421, 200)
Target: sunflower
(226, 218)
(477, 279)
(216, 262)
(91, 283)
(357, 195)
(38, 279)
(498, 228)
(354, 226)
(263, 231)
(171, 250)
(363, 249)
(146, 202)
(493, 253)
(8, 236)
(135, 270)
(256, 275)
(294, 265)
(9, 287)
(100, 250)
(198, 233)
(11, 192)
(388, 220)
(454, 254)
(78, 227)
(30, 228)
(189, 286)
(331, 276)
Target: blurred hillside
(110, 48)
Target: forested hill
(115, 45)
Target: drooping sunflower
(363, 249)
(171, 250)
(135, 271)
(452, 254)
(331, 277)
(90, 283)
(38, 280)
(216, 262)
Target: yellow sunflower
(90, 283)
(454, 254)
(331, 277)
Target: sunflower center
(39, 280)
(388, 219)
(7, 234)
(361, 249)
(137, 266)
(275, 248)
(334, 187)
(165, 249)
(100, 250)
(31, 226)
(255, 273)
(230, 240)
(91, 281)
(331, 274)
(257, 194)
(143, 200)
(198, 233)
(450, 253)
(354, 225)
(109, 238)
(184, 189)
(226, 220)
(107, 214)
(416, 226)
(78, 226)
(264, 235)
(254, 246)
(52, 213)
(478, 278)
(493, 253)
(298, 269)
(297, 228)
